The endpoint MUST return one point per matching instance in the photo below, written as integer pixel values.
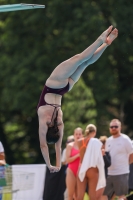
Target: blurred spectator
(121, 151)
(72, 159)
(106, 155)
(2, 155)
(131, 176)
(63, 158)
(2, 162)
(91, 170)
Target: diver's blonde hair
(90, 129)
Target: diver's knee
(71, 83)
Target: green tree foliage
(34, 42)
(114, 72)
(79, 108)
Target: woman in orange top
(92, 174)
(73, 159)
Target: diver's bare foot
(105, 34)
(112, 36)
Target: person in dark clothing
(131, 177)
(106, 155)
(107, 161)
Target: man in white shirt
(121, 151)
(2, 155)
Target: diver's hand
(53, 169)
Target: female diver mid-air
(62, 79)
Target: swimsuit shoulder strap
(84, 143)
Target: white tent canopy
(21, 6)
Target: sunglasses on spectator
(113, 126)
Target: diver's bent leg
(62, 72)
(76, 75)
(97, 54)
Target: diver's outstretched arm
(58, 146)
(44, 147)
(43, 144)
